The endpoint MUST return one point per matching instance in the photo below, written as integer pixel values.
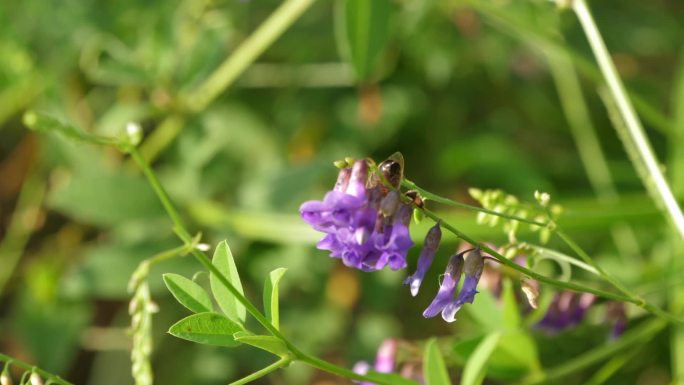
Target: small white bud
(35, 379)
(5, 379)
(134, 133)
(203, 247)
(542, 197)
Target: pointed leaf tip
(229, 304)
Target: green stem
(337, 370)
(184, 235)
(641, 334)
(30, 368)
(281, 19)
(553, 254)
(446, 201)
(284, 361)
(589, 260)
(632, 124)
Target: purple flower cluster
(365, 225)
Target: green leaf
(207, 328)
(363, 31)
(435, 370)
(267, 343)
(474, 370)
(271, 301)
(510, 311)
(188, 293)
(224, 262)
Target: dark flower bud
(416, 199)
(393, 169)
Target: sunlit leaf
(434, 368)
(224, 262)
(474, 370)
(363, 32)
(207, 328)
(271, 301)
(188, 293)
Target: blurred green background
(464, 90)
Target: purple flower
(474, 264)
(447, 287)
(385, 360)
(432, 239)
(567, 309)
(364, 228)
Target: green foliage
(433, 365)
(207, 328)
(271, 297)
(268, 343)
(363, 32)
(224, 262)
(188, 293)
(462, 91)
(474, 371)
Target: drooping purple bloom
(474, 263)
(432, 240)
(364, 229)
(447, 287)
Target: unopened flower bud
(393, 169)
(35, 379)
(416, 199)
(5, 379)
(134, 133)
